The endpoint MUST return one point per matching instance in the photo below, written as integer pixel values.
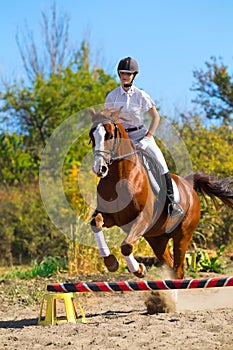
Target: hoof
(141, 273)
(111, 263)
(99, 221)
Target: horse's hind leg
(181, 243)
(110, 260)
(159, 244)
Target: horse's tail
(213, 187)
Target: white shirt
(135, 103)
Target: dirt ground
(201, 319)
(120, 321)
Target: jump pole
(140, 285)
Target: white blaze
(99, 135)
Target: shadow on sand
(19, 323)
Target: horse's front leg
(135, 230)
(110, 260)
(134, 266)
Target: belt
(134, 129)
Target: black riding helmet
(128, 65)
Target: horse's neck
(126, 153)
(125, 144)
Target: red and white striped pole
(140, 285)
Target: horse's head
(104, 137)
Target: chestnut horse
(126, 199)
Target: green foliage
(206, 263)
(215, 90)
(210, 151)
(47, 267)
(17, 165)
(26, 232)
(38, 109)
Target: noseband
(114, 151)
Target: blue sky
(169, 39)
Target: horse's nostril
(104, 169)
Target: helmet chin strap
(131, 83)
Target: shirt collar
(129, 92)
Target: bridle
(113, 153)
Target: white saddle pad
(176, 192)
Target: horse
(125, 198)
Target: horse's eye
(110, 137)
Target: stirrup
(174, 210)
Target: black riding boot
(174, 209)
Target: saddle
(157, 181)
(158, 185)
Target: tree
(56, 87)
(215, 91)
(210, 150)
(17, 166)
(27, 232)
(35, 107)
(56, 54)
(37, 110)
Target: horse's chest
(117, 197)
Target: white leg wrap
(132, 263)
(102, 245)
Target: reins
(113, 153)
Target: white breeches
(150, 146)
(154, 151)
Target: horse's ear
(115, 114)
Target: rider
(135, 104)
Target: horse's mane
(109, 115)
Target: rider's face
(126, 78)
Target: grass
(47, 267)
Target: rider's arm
(155, 118)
